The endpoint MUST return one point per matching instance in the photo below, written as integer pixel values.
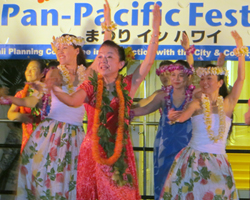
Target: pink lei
(188, 94)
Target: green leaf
(205, 173)
(229, 182)
(197, 179)
(38, 174)
(196, 173)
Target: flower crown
(173, 67)
(202, 71)
(67, 40)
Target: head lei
(204, 71)
(67, 40)
(174, 67)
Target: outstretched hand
(156, 17)
(237, 38)
(185, 41)
(107, 12)
(221, 60)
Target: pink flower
(68, 145)
(57, 141)
(24, 170)
(47, 183)
(33, 189)
(176, 197)
(59, 194)
(203, 181)
(33, 178)
(183, 169)
(208, 196)
(190, 196)
(60, 125)
(69, 167)
(59, 178)
(219, 162)
(67, 195)
(53, 153)
(52, 137)
(201, 162)
(37, 134)
(228, 164)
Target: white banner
(27, 26)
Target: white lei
(66, 77)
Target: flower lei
(34, 112)
(241, 51)
(110, 27)
(66, 77)
(207, 117)
(190, 50)
(204, 71)
(102, 136)
(188, 95)
(174, 67)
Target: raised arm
(107, 17)
(185, 44)
(232, 99)
(143, 69)
(107, 35)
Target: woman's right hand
(173, 115)
(107, 16)
(156, 18)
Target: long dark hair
(80, 59)
(120, 50)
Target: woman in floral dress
(106, 166)
(49, 159)
(201, 171)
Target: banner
(27, 27)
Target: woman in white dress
(201, 171)
(48, 168)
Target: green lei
(120, 166)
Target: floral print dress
(201, 171)
(94, 180)
(48, 168)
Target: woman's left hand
(237, 38)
